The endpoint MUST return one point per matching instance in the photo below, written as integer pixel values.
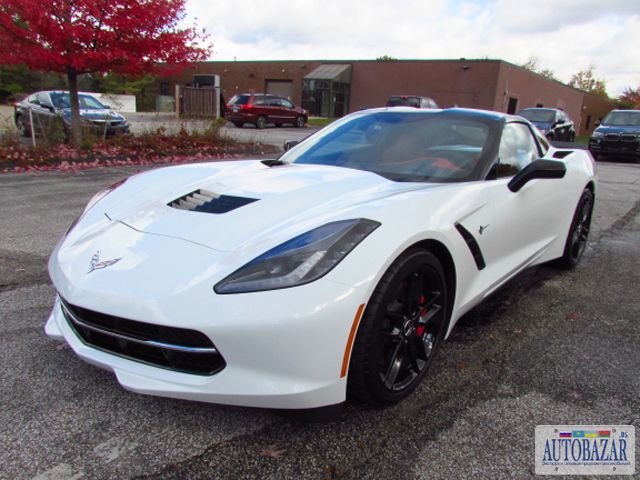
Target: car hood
(94, 114)
(618, 129)
(258, 203)
(543, 125)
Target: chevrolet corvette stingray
(335, 271)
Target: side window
(517, 149)
(43, 99)
(286, 103)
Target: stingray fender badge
(96, 264)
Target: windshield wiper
(273, 162)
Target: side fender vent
(562, 153)
(471, 242)
(209, 202)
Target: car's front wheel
(578, 232)
(401, 330)
(261, 122)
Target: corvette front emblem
(96, 264)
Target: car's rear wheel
(401, 330)
(261, 122)
(578, 232)
(300, 121)
(22, 127)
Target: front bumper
(617, 147)
(282, 348)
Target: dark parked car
(57, 104)
(553, 123)
(411, 101)
(262, 109)
(618, 134)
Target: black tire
(261, 122)
(238, 124)
(572, 137)
(300, 121)
(22, 127)
(578, 235)
(278, 125)
(400, 331)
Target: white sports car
(336, 270)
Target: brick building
(334, 88)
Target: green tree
(386, 58)
(586, 80)
(143, 87)
(533, 64)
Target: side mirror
(48, 107)
(288, 145)
(537, 169)
(106, 107)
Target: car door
(288, 111)
(526, 220)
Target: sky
(564, 35)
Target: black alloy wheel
(300, 121)
(261, 122)
(578, 232)
(401, 330)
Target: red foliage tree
(84, 36)
(630, 98)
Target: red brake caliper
(423, 312)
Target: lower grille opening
(178, 349)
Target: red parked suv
(262, 109)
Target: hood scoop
(206, 201)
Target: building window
(539, 105)
(164, 88)
(513, 105)
(588, 124)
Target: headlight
(95, 199)
(300, 260)
(597, 134)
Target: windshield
(87, 102)
(542, 116)
(400, 146)
(403, 102)
(630, 118)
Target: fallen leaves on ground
(273, 451)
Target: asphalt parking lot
(551, 347)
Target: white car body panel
(285, 348)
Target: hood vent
(210, 202)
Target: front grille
(179, 349)
(210, 202)
(612, 137)
(627, 138)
